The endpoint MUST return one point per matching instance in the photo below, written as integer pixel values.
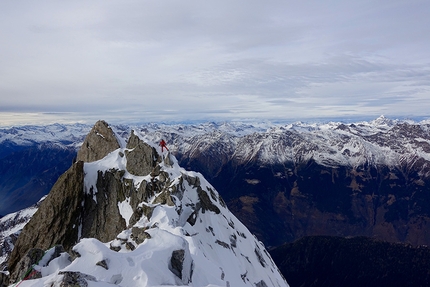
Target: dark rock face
(73, 279)
(140, 160)
(99, 142)
(4, 279)
(101, 219)
(25, 265)
(334, 261)
(57, 220)
(177, 262)
(71, 212)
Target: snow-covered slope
(62, 135)
(395, 148)
(189, 238)
(379, 142)
(10, 227)
(382, 141)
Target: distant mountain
(31, 160)
(323, 261)
(126, 214)
(288, 181)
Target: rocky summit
(126, 214)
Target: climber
(163, 145)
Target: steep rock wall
(57, 220)
(71, 212)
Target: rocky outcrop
(71, 211)
(24, 268)
(58, 219)
(4, 279)
(99, 142)
(133, 200)
(141, 157)
(177, 265)
(73, 279)
(101, 218)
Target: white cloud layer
(213, 60)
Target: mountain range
(126, 214)
(282, 181)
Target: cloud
(200, 60)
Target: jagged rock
(142, 158)
(130, 246)
(139, 212)
(4, 279)
(115, 248)
(74, 279)
(168, 160)
(193, 217)
(181, 264)
(164, 198)
(193, 181)
(206, 202)
(99, 142)
(101, 205)
(163, 177)
(94, 213)
(101, 218)
(51, 225)
(222, 243)
(139, 234)
(74, 254)
(261, 284)
(177, 262)
(103, 264)
(32, 257)
(6, 247)
(260, 257)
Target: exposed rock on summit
(99, 142)
(168, 225)
(141, 158)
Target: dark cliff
(71, 212)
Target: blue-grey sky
(213, 60)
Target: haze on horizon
(133, 61)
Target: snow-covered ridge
(60, 134)
(379, 142)
(382, 141)
(189, 238)
(10, 227)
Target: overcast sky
(213, 60)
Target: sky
(189, 60)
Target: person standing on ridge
(163, 145)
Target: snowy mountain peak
(136, 218)
(382, 120)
